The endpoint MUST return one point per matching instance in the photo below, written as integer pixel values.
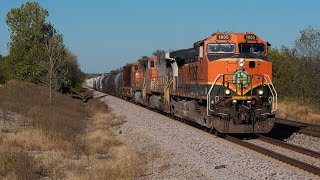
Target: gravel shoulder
(302, 140)
(178, 151)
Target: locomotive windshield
(221, 48)
(252, 48)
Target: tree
(286, 75)
(26, 50)
(296, 71)
(3, 69)
(37, 52)
(55, 54)
(75, 75)
(308, 44)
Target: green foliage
(28, 26)
(296, 71)
(18, 163)
(7, 161)
(308, 44)
(3, 69)
(37, 52)
(75, 75)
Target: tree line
(37, 52)
(296, 70)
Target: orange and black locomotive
(223, 82)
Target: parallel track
(288, 160)
(289, 146)
(304, 128)
(302, 165)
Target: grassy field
(65, 139)
(290, 109)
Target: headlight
(227, 92)
(260, 92)
(241, 62)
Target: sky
(106, 34)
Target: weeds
(61, 120)
(63, 139)
(17, 165)
(298, 112)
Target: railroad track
(304, 128)
(288, 160)
(289, 146)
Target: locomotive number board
(223, 37)
(250, 37)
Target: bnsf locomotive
(224, 83)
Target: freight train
(224, 82)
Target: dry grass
(60, 120)
(17, 165)
(107, 158)
(298, 112)
(67, 139)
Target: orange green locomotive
(223, 82)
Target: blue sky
(106, 34)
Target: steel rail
(302, 165)
(310, 132)
(305, 128)
(296, 123)
(289, 146)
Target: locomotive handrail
(209, 92)
(269, 84)
(273, 92)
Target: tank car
(117, 83)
